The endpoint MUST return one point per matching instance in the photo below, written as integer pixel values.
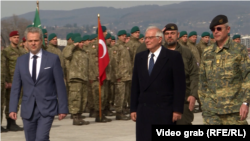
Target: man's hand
(191, 101)
(6, 85)
(61, 116)
(76, 44)
(133, 116)
(163, 29)
(13, 115)
(9, 85)
(244, 109)
(176, 116)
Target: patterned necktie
(34, 68)
(151, 64)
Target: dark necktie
(151, 64)
(34, 68)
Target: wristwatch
(246, 103)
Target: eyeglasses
(217, 28)
(150, 37)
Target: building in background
(245, 40)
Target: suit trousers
(37, 128)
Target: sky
(8, 8)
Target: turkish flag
(103, 57)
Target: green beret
(218, 20)
(134, 29)
(236, 36)
(29, 26)
(141, 36)
(205, 34)
(192, 33)
(182, 33)
(45, 36)
(93, 36)
(108, 36)
(121, 32)
(44, 31)
(211, 36)
(78, 39)
(103, 29)
(70, 35)
(128, 35)
(85, 37)
(112, 37)
(170, 26)
(51, 36)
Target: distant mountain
(188, 16)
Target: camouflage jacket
(132, 46)
(11, 54)
(183, 44)
(201, 46)
(3, 69)
(122, 62)
(67, 55)
(108, 69)
(224, 78)
(194, 50)
(78, 70)
(141, 48)
(93, 61)
(211, 42)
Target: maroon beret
(24, 40)
(14, 33)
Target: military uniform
(183, 44)
(141, 48)
(122, 67)
(194, 50)
(224, 83)
(3, 80)
(54, 49)
(201, 46)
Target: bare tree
(11, 24)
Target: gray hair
(33, 30)
(158, 33)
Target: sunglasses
(217, 28)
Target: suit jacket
(49, 91)
(157, 96)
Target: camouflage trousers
(225, 119)
(90, 98)
(7, 101)
(108, 95)
(77, 97)
(187, 116)
(95, 94)
(127, 95)
(120, 91)
(112, 93)
(2, 100)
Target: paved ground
(65, 131)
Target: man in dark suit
(158, 86)
(44, 93)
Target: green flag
(37, 23)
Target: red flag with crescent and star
(103, 57)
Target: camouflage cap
(236, 36)
(218, 20)
(205, 34)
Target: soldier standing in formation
(224, 78)
(203, 42)
(183, 39)
(236, 38)
(192, 37)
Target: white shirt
(156, 53)
(38, 62)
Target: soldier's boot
(112, 107)
(12, 126)
(200, 109)
(82, 116)
(80, 119)
(92, 113)
(3, 130)
(107, 119)
(76, 120)
(120, 116)
(107, 112)
(125, 111)
(98, 119)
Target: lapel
(145, 65)
(27, 68)
(160, 62)
(43, 65)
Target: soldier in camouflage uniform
(53, 48)
(141, 38)
(192, 37)
(112, 41)
(236, 38)
(78, 78)
(203, 42)
(224, 78)
(94, 78)
(3, 87)
(132, 46)
(183, 39)
(191, 73)
(123, 72)
(11, 53)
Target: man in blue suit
(44, 93)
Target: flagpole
(37, 3)
(100, 101)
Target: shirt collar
(39, 54)
(156, 53)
